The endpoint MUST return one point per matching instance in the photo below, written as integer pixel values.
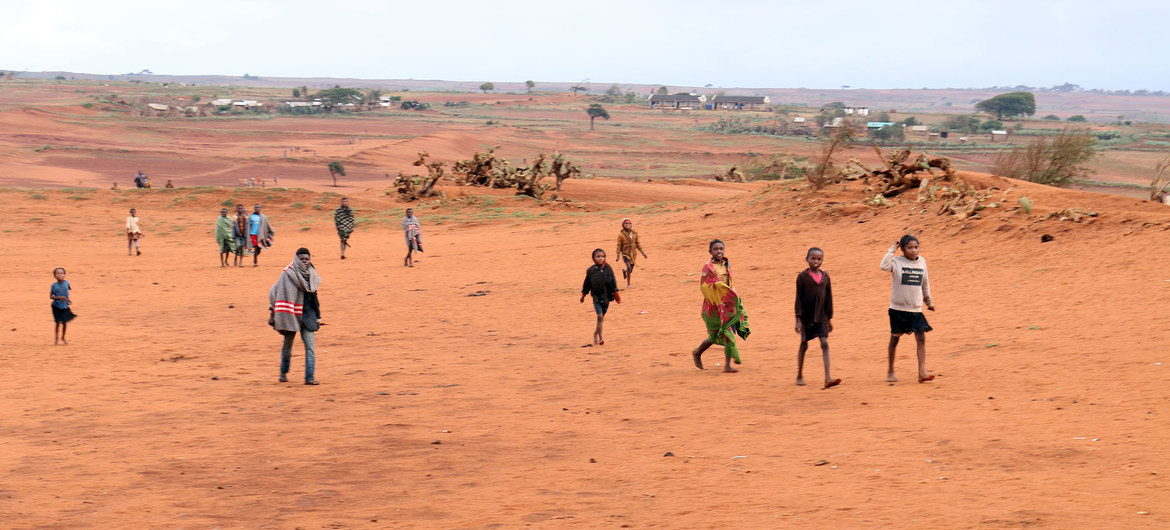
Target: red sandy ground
(164, 410)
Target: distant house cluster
(687, 101)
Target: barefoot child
(722, 309)
(59, 293)
(600, 282)
(133, 233)
(910, 290)
(628, 247)
(814, 312)
(223, 237)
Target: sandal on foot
(311, 382)
(283, 378)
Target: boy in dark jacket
(600, 282)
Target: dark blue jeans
(310, 352)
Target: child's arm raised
(888, 259)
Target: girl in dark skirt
(59, 293)
(909, 291)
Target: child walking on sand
(814, 312)
(722, 309)
(910, 290)
(59, 293)
(133, 233)
(600, 282)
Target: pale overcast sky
(730, 43)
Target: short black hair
(303, 250)
(814, 249)
(595, 251)
(62, 269)
(711, 245)
(906, 239)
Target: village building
(999, 136)
(920, 130)
(740, 102)
(677, 101)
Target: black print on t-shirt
(912, 276)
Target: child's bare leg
(727, 362)
(829, 381)
(920, 338)
(56, 331)
(893, 349)
(697, 353)
(800, 360)
(597, 338)
(256, 256)
(64, 325)
(343, 249)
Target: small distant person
(723, 311)
(293, 306)
(260, 233)
(413, 232)
(343, 218)
(114, 187)
(169, 184)
(241, 228)
(602, 286)
(814, 312)
(62, 314)
(224, 238)
(133, 233)
(140, 179)
(909, 291)
(628, 247)
(276, 180)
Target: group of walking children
(241, 235)
(726, 320)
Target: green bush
(1078, 118)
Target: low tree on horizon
(579, 88)
(487, 86)
(335, 169)
(1009, 105)
(595, 111)
(530, 84)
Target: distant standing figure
(114, 187)
(343, 218)
(140, 179)
(62, 314)
(628, 247)
(133, 233)
(413, 232)
(224, 238)
(600, 283)
(814, 312)
(259, 233)
(909, 291)
(293, 307)
(723, 311)
(241, 228)
(169, 184)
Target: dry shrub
(1055, 161)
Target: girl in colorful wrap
(722, 309)
(600, 283)
(293, 307)
(628, 246)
